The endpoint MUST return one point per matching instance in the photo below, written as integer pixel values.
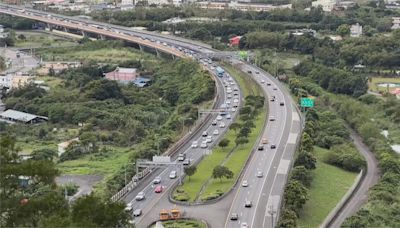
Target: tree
(295, 195)
(222, 171)
(223, 143)
(235, 126)
(241, 140)
(303, 175)
(288, 219)
(306, 159)
(44, 154)
(190, 171)
(91, 211)
(307, 144)
(343, 30)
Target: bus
(220, 72)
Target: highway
(283, 131)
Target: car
(272, 99)
(228, 102)
(262, 81)
(273, 146)
(219, 117)
(268, 84)
(158, 189)
(271, 118)
(260, 174)
(216, 132)
(257, 72)
(204, 134)
(209, 139)
(248, 203)
(172, 174)
(203, 144)
(157, 180)
(235, 100)
(229, 96)
(214, 122)
(244, 225)
(194, 144)
(275, 88)
(181, 157)
(234, 216)
(228, 116)
(260, 147)
(245, 183)
(140, 196)
(281, 104)
(236, 93)
(233, 109)
(128, 207)
(137, 212)
(186, 162)
(222, 125)
(249, 71)
(235, 88)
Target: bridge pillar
(158, 53)
(84, 34)
(102, 37)
(49, 27)
(65, 29)
(141, 47)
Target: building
(327, 5)
(234, 41)
(396, 92)
(127, 5)
(15, 80)
(356, 30)
(336, 38)
(302, 32)
(124, 75)
(158, 2)
(62, 147)
(14, 116)
(242, 6)
(396, 23)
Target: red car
(158, 189)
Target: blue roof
(220, 70)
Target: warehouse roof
(15, 115)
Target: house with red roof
(121, 74)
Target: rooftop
(15, 115)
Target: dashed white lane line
(283, 167)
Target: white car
(222, 125)
(203, 144)
(209, 139)
(214, 122)
(204, 134)
(228, 116)
(157, 180)
(128, 207)
(194, 144)
(233, 109)
(235, 100)
(172, 174)
(260, 174)
(229, 96)
(219, 117)
(216, 132)
(262, 81)
(271, 118)
(245, 183)
(140, 196)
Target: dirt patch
(85, 183)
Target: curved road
(275, 163)
(360, 195)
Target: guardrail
(335, 212)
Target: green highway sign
(306, 102)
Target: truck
(174, 213)
(220, 72)
(181, 157)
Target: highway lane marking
(292, 138)
(283, 167)
(276, 174)
(265, 179)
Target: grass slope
(328, 187)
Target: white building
(158, 2)
(396, 23)
(127, 4)
(356, 30)
(327, 5)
